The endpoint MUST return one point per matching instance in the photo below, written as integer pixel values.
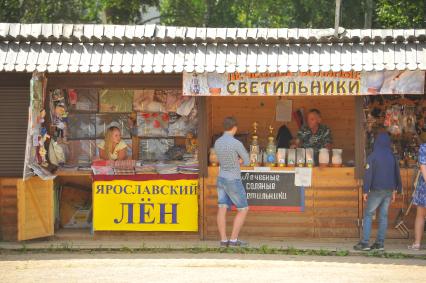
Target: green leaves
(221, 13)
(40, 11)
(401, 14)
(293, 13)
(74, 11)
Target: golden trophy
(271, 149)
(254, 147)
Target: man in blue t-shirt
(231, 154)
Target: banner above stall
(304, 83)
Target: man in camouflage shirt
(314, 135)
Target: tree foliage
(401, 13)
(36, 11)
(116, 11)
(74, 11)
(223, 13)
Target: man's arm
(328, 139)
(423, 171)
(243, 154)
(298, 141)
(368, 176)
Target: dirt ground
(134, 267)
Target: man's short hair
(314, 110)
(229, 123)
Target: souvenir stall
(151, 185)
(290, 193)
(121, 120)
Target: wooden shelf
(63, 173)
(150, 138)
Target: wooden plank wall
(338, 113)
(336, 199)
(35, 208)
(402, 202)
(8, 209)
(331, 210)
(259, 224)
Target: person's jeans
(231, 192)
(381, 200)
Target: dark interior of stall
(402, 116)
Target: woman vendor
(113, 148)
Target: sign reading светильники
(304, 83)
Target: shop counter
(139, 176)
(332, 207)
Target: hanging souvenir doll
(409, 120)
(59, 121)
(42, 149)
(58, 96)
(73, 97)
(388, 117)
(42, 137)
(392, 120)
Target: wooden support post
(337, 18)
(203, 141)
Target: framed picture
(150, 101)
(81, 152)
(115, 100)
(152, 124)
(154, 149)
(83, 100)
(81, 126)
(180, 126)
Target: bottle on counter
(336, 160)
(324, 157)
(271, 149)
(281, 155)
(310, 157)
(271, 152)
(291, 157)
(254, 148)
(301, 157)
(254, 155)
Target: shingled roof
(159, 49)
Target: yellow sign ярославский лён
(156, 205)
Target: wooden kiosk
(158, 57)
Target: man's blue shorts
(231, 192)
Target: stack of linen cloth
(124, 167)
(188, 168)
(103, 167)
(119, 167)
(167, 169)
(145, 169)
